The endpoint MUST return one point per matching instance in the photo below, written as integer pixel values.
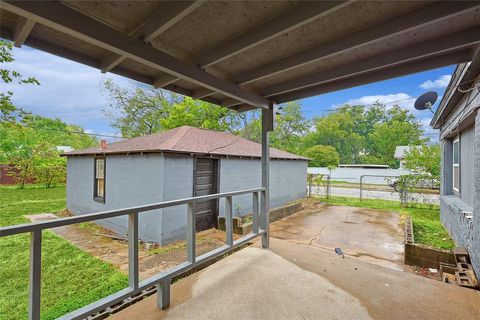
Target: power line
(74, 132)
(361, 106)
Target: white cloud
(440, 83)
(429, 132)
(401, 99)
(68, 90)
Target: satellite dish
(426, 101)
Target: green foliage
(425, 159)
(49, 169)
(366, 135)
(71, 278)
(290, 127)
(8, 111)
(428, 229)
(322, 156)
(145, 110)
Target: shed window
(456, 164)
(99, 187)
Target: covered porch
(245, 55)
(296, 281)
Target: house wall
(288, 182)
(178, 183)
(130, 181)
(142, 179)
(455, 206)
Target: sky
(73, 92)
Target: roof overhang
(463, 78)
(246, 54)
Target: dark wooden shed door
(205, 182)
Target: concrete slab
(374, 236)
(296, 281)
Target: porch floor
(295, 281)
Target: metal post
(35, 283)
(133, 278)
(229, 220)
(255, 211)
(267, 126)
(190, 233)
(328, 187)
(361, 179)
(163, 293)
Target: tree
(290, 127)
(145, 110)
(323, 156)
(48, 167)
(366, 135)
(400, 128)
(337, 130)
(8, 111)
(425, 159)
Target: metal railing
(163, 279)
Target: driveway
(372, 235)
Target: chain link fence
(411, 189)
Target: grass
(427, 227)
(71, 278)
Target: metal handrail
(163, 279)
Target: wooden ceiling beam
(22, 30)
(434, 13)
(413, 67)
(69, 21)
(164, 18)
(452, 42)
(304, 13)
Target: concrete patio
(295, 281)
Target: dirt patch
(109, 246)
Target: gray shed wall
(142, 179)
(288, 182)
(130, 181)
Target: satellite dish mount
(426, 101)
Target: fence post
(328, 186)
(228, 220)
(190, 233)
(133, 250)
(35, 271)
(361, 187)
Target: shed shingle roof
(188, 139)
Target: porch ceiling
(241, 54)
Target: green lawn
(71, 278)
(426, 220)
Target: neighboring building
(175, 164)
(64, 149)
(400, 152)
(458, 119)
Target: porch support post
(163, 294)
(267, 126)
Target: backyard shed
(179, 163)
